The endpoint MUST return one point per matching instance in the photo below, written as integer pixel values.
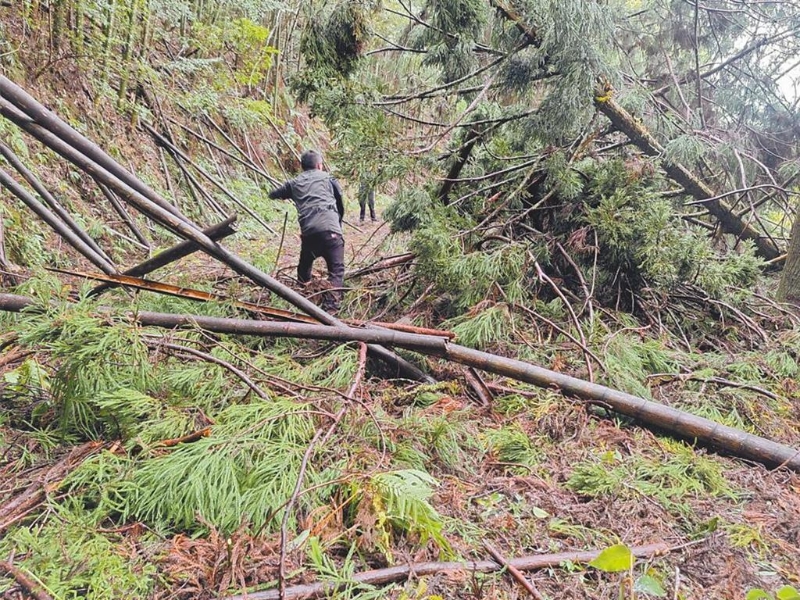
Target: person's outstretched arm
(284, 192)
(337, 193)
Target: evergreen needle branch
(160, 342)
(390, 100)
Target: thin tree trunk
(126, 218)
(59, 9)
(419, 570)
(127, 51)
(185, 248)
(56, 224)
(108, 30)
(161, 140)
(3, 263)
(472, 137)
(49, 199)
(789, 288)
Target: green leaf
(787, 592)
(647, 584)
(614, 559)
(540, 513)
(757, 594)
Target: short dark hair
(310, 160)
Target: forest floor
(534, 473)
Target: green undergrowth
(669, 479)
(70, 559)
(410, 468)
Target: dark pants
(366, 196)
(330, 246)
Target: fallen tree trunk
(157, 211)
(179, 154)
(56, 224)
(269, 311)
(647, 412)
(50, 200)
(28, 105)
(386, 263)
(170, 255)
(403, 572)
(126, 218)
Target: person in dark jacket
(320, 210)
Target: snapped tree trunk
(789, 288)
(472, 137)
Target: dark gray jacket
(319, 201)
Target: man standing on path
(366, 195)
(320, 210)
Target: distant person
(320, 211)
(366, 195)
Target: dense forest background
(607, 191)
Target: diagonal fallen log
(49, 199)
(126, 218)
(28, 105)
(426, 569)
(652, 414)
(170, 255)
(23, 110)
(730, 222)
(179, 154)
(56, 224)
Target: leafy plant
(399, 501)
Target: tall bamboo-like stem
(49, 199)
(55, 223)
(127, 50)
(79, 8)
(59, 8)
(147, 32)
(108, 32)
(3, 262)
